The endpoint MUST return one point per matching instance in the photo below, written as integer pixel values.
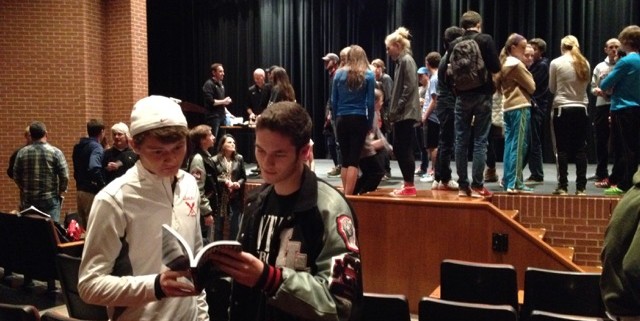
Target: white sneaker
(428, 178)
(451, 185)
(435, 185)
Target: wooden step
(591, 268)
(566, 251)
(537, 232)
(513, 214)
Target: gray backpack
(466, 67)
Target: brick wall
(64, 62)
(575, 221)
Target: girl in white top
(568, 80)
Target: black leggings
(352, 131)
(404, 143)
(570, 125)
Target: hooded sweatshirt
(87, 165)
(600, 72)
(516, 84)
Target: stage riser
(404, 240)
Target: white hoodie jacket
(123, 249)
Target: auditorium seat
(564, 292)
(18, 312)
(53, 316)
(68, 267)
(538, 315)
(487, 283)
(432, 309)
(385, 307)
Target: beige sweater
(515, 83)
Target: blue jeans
(445, 144)
(50, 206)
(477, 108)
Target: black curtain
(187, 36)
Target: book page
(208, 250)
(176, 253)
(33, 211)
(207, 271)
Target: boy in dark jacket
(300, 258)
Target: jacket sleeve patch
(347, 232)
(345, 276)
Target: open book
(33, 211)
(178, 256)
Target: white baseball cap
(155, 112)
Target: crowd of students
(518, 89)
(298, 234)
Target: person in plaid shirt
(41, 173)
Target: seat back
(18, 312)
(432, 309)
(564, 292)
(537, 315)
(68, 267)
(7, 241)
(385, 307)
(53, 316)
(33, 245)
(478, 282)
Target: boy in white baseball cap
(122, 264)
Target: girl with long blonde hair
(405, 110)
(568, 80)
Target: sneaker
(405, 191)
(560, 191)
(335, 171)
(490, 175)
(613, 190)
(602, 183)
(427, 178)
(581, 192)
(534, 181)
(480, 192)
(420, 172)
(464, 192)
(524, 190)
(593, 177)
(451, 185)
(435, 185)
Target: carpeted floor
(12, 292)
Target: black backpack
(466, 66)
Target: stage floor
(550, 180)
